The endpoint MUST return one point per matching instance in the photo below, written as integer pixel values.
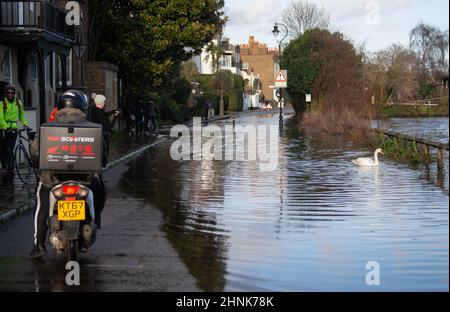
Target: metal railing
(35, 14)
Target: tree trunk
(222, 106)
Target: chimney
(251, 41)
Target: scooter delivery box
(70, 147)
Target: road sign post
(281, 79)
(280, 84)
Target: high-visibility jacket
(11, 113)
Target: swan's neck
(376, 159)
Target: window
(52, 70)
(34, 68)
(5, 67)
(69, 70)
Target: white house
(253, 95)
(231, 60)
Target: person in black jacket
(100, 116)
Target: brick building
(91, 76)
(258, 58)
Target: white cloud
(396, 19)
(252, 17)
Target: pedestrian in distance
(140, 113)
(152, 112)
(107, 120)
(206, 108)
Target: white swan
(369, 162)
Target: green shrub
(170, 109)
(235, 100)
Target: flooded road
(435, 129)
(311, 225)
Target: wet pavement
(131, 252)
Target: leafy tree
(215, 52)
(327, 66)
(150, 39)
(297, 59)
(223, 81)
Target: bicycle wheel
(153, 128)
(24, 168)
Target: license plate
(71, 210)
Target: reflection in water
(312, 224)
(182, 195)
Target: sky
(377, 23)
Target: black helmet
(73, 99)
(9, 86)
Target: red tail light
(70, 189)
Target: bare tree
(390, 74)
(431, 45)
(301, 15)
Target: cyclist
(11, 112)
(151, 113)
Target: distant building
(253, 93)
(257, 57)
(231, 60)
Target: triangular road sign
(281, 77)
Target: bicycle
(22, 161)
(153, 127)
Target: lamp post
(276, 33)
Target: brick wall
(262, 65)
(101, 78)
(261, 59)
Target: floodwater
(435, 129)
(312, 224)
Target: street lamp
(276, 34)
